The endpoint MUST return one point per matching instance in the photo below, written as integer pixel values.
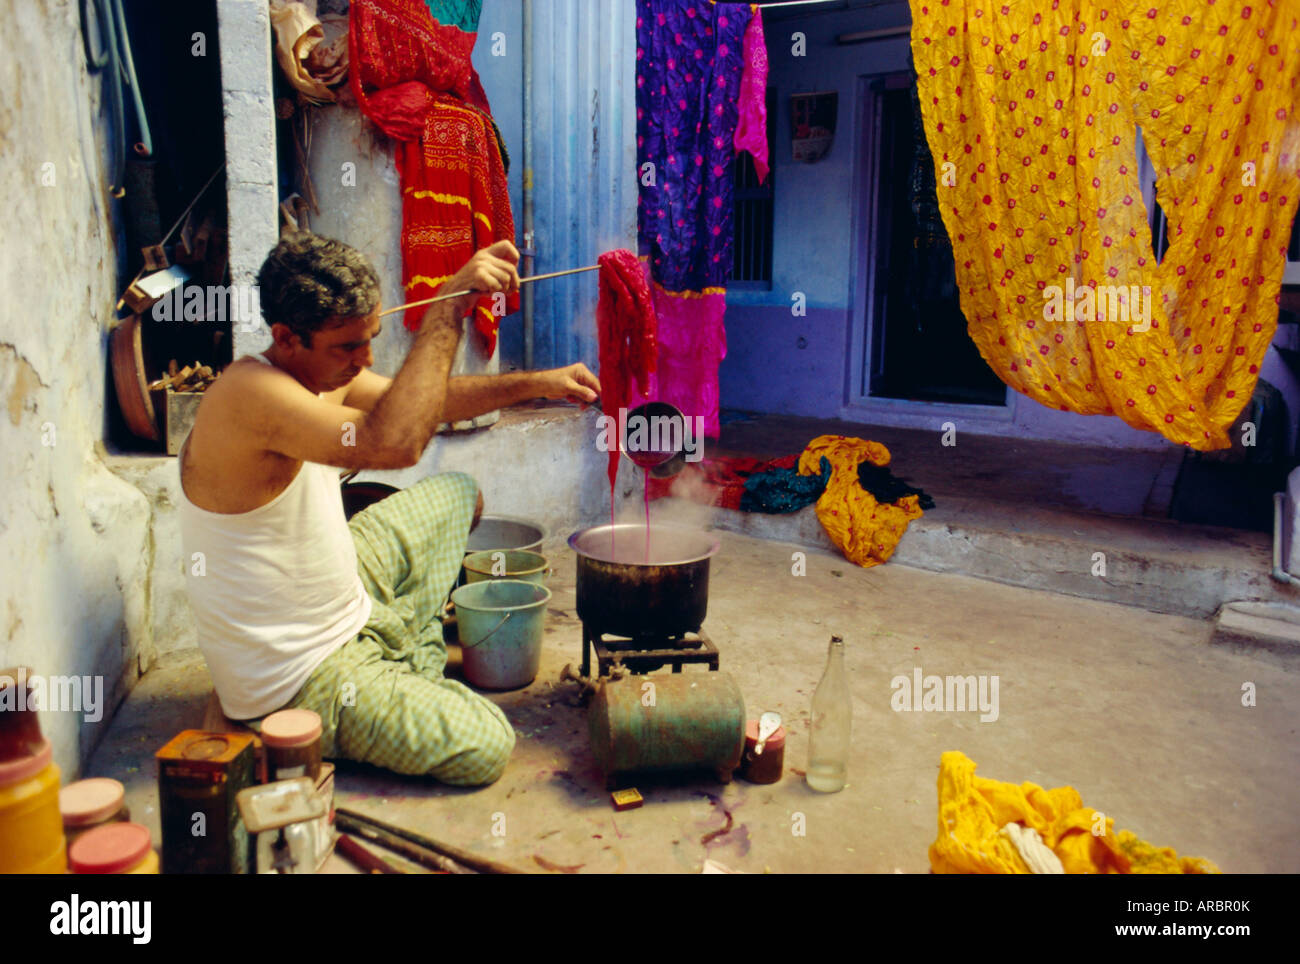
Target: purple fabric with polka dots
(689, 65)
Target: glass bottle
(832, 718)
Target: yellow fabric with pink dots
(1031, 110)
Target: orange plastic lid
(291, 728)
(775, 742)
(109, 849)
(90, 801)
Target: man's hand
(574, 382)
(491, 269)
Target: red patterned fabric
(413, 78)
(626, 327)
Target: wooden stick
(363, 858)
(359, 820)
(416, 854)
(461, 294)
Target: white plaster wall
(252, 198)
(74, 539)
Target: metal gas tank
(679, 721)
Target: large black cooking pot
(623, 592)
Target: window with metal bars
(753, 209)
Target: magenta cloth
(692, 344)
(751, 129)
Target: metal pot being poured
(628, 586)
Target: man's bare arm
(395, 432)
(472, 395)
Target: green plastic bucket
(518, 564)
(501, 622)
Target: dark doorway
(919, 347)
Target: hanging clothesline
(794, 3)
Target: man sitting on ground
(295, 605)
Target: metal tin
(682, 721)
(289, 822)
(199, 776)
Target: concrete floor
(1134, 709)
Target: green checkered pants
(381, 696)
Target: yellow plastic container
(31, 825)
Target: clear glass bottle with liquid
(832, 718)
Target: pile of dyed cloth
(863, 507)
(865, 529)
(625, 328)
(983, 825)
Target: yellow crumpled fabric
(972, 811)
(861, 528)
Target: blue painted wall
(584, 171)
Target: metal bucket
(501, 622)
(662, 593)
(505, 532)
(506, 564)
(502, 533)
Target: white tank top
(275, 590)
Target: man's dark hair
(308, 283)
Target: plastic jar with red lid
(115, 848)
(292, 739)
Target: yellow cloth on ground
(972, 811)
(1032, 111)
(866, 531)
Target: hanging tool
(115, 54)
